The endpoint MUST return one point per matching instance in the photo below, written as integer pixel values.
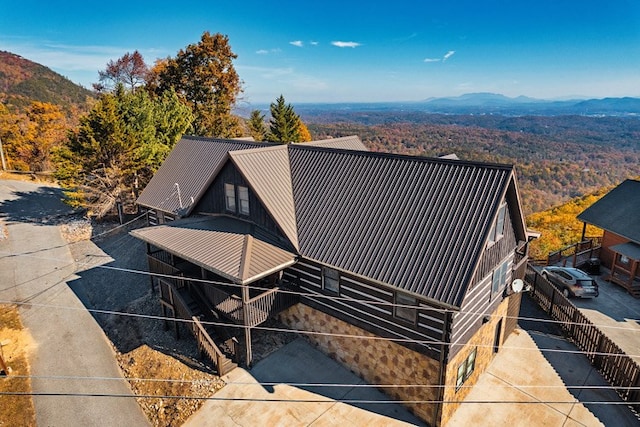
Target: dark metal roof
(617, 211)
(418, 224)
(232, 248)
(629, 249)
(192, 164)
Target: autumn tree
(203, 76)
(118, 146)
(257, 126)
(303, 132)
(29, 137)
(130, 70)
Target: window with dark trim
(466, 368)
(230, 197)
(330, 280)
(401, 311)
(497, 230)
(499, 278)
(243, 200)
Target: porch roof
(629, 249)
(234, 249)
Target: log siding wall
(213, 202)
(373, 310)
(479, 300)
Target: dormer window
(230, 197)
(243, 198)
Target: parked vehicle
(571, 281)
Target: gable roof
(617, 211)
(413, 223)
(192, 164)
(352, 142)
(234, 249)
(417, 224)
(268, 173)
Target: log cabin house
(401, 264)
(618, 214)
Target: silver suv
(571, 281)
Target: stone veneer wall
(483, 340)
(376, 361)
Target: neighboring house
(618, 214)
(412, 255)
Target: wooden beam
(247, 328)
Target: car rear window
(585, 283)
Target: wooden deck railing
(577, 252)
(622, 372)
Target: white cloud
(431, 59)
(262, 52)
(297, 43)
(345, 44)
(314, 43)
(448, 55)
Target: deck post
(245, 321)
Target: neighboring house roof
(418, 224)
(234, 249)
(617, 211)
(192, 164)
(352, 142)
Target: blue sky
(341, 51)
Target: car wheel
(566, 293)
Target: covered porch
(218, 271)
(625, 267)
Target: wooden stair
(196, 309)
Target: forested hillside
(556, 158)
(23, 81)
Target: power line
(300, 384)
(308, 332)
(326, 400)
(333, 297)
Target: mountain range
(490, 103)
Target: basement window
(230, 197)
(466, 368)
(402, 311)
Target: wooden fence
(576, 253)
(622, 372)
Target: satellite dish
(517, 286)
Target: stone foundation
(376, 361)
(483, 340)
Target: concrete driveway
(35, 266)
(616, 313)
(244, 401)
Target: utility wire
(332, 297)
(312, 333)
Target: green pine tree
(285, 123)
(257, 126)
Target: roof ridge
(388, 155)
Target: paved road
(35, 266)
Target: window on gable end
(230, 197)
(499, 278)
(497, 230)
(243, 199)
